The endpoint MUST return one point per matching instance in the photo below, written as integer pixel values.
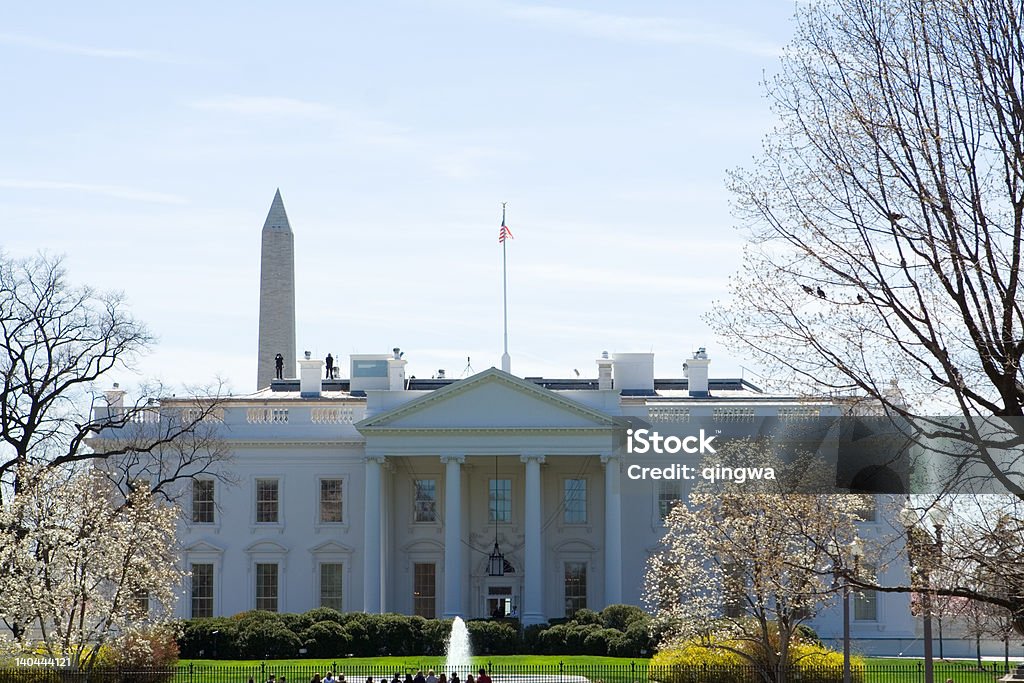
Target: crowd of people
(430, 677)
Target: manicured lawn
(358, 669)
(402, 663)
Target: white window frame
(511, 500)
(437, 502)
(586, 586)
(344, 495)
(253, 483)
(213, 585)
(586, 502)
(216, 517)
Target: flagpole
(506, 360)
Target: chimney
(604, 372)
(633, 372)
(696, 371)
(115, 401)
(309, 376)
(396, 371)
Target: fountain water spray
(457, 654)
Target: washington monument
(277, 295)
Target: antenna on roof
(468, 369)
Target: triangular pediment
(491, 399)
(331, 547)
(204, 547)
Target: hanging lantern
(496, 561)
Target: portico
(554, 502)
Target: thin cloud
(249, 105)
(622, 27)
(116, 191)
(37, 43)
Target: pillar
(533, 590)
(612, 530)
(453, 535)
(372, 568)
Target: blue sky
(145, 143)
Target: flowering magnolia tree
(741, 570)
(83, 563)
(60, 436)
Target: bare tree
(885, 219)
(56, 342)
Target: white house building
(385, 493)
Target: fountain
(458, 654)
(458, 658)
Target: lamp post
(921, 547)
(856, 552)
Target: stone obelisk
(277, 295)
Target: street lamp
(921, 548)
(856, 552)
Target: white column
(533, 590)
(453, 535)
(612, 531)
(372, 575)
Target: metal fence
(633, 672)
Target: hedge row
(618, 630)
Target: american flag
(504, 233)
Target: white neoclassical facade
(381, 493)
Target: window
(668, 497)
(865, 602)
(500, 509)
(266, 501)
(867, 511)
(266, 587)
(202, 501)
(575, 511)
(202, 590)
(735, 594)
(330, 501)
(330, 585)
(424, 590)
(140, 603)
(425, 500)
(575, 587)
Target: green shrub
(531, 637)
(362, 635)
(435, 636)
(264, 635)
(586, 616)
(493, 637)
(600, 642)
(325, 639)
(397, 636)
(197, 639)
(621, 616)
(551, 641)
